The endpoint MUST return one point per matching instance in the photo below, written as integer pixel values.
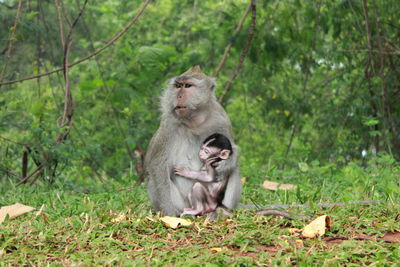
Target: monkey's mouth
(179, 109)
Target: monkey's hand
(182, 171)
(210, 161)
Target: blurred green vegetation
(320, 85)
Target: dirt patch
(393, 237)
(259, 248)
(389, 237)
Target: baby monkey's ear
(224, 154)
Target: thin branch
(11, 40)
(98, 51)
(239, 66)
(60, 23)
(393, 52)
(10, 173)
(229, 46)
(12, 141)
(39, 168)
(68, 104)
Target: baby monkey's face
(207, 152)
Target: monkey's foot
(190, 212)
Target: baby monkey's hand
(181, 171)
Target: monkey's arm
(205, 176)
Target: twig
(229, 46)
(12, 141)
(68, 103)
(60, 24)
(358, 238)
(11, 41)
(239, 66)
(39, 168)
(10, 173)
(284, 214)
(98, 51)
(322, 205)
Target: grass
(78, 226)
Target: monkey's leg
(199, 199)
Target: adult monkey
(190, 113)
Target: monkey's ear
(224, 154)
(213, 83)
(196, 68)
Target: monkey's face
(184, 90)
(187, 95)
(207, 152)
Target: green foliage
(319, 86)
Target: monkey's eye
(187, 85)
(178, 85)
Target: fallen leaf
(40, 212)
(294, 231)
(174, 222)
(275, 186)
(120, 218)
(215, 249)
(14, 211)
(244, 180)
(317, 227)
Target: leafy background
(315, 105)
(319, 86)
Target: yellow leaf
(14, 211)
(120, 218)
(317, 227)
(294, 231)
(275, 186)
(174, 222)
(244, 180)
(215, 249)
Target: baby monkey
(208, 192)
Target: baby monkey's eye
(178, 85)
(187, 85)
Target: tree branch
(95, 53)
(239, 66)
(229, 46)
(11, 41)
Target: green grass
(77, 226)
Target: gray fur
(177, 143)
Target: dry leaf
(244, 180)
(275, 186)
(317, 227)
(294, 231)
(215, 249)
(14, 211)
(40, 212)
(174, 222)
(120, 218)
